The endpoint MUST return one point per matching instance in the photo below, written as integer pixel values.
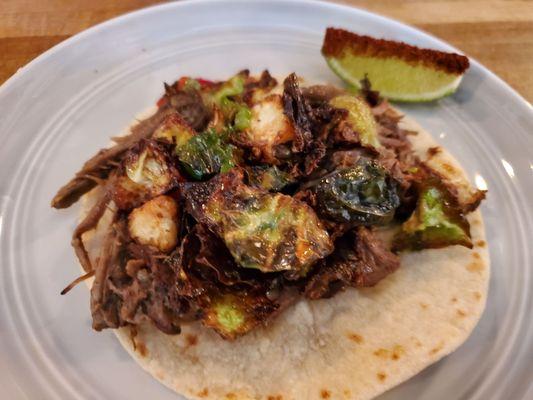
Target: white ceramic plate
(58, 110)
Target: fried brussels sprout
(207, 154)
(268, 127)
(174, 130)
(148, 172)
(232, 315)
(148, 168)
(265, 231)
(269, 178)
(359, 117)
(155, 223)
(437, 221)
(364, 194)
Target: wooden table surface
(498, 33)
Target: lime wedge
(399, 71)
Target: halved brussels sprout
(264, 231)
(364, 194)
(149, 169)
(436, 222)
(268, 127)
(207, 154)
(360, 118)
(148, 173)
(232, 315)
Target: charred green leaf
(206, 154)
(363, 195)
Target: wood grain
(498, 33)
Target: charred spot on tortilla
(141, 349)
(437, 348)
(241, 199)
(355, 337)
(191, 340)
(433, 151)
(393, 353)
(475, 266)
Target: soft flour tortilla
(354, 346)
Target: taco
(256, 240)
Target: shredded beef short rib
(360, 260)
(206, 275)
(98, 168)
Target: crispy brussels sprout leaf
(436, 222)
(264, 231)
(269, 178)
(232, 315)
(363, 195)
(360, 117)
(206, 154)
